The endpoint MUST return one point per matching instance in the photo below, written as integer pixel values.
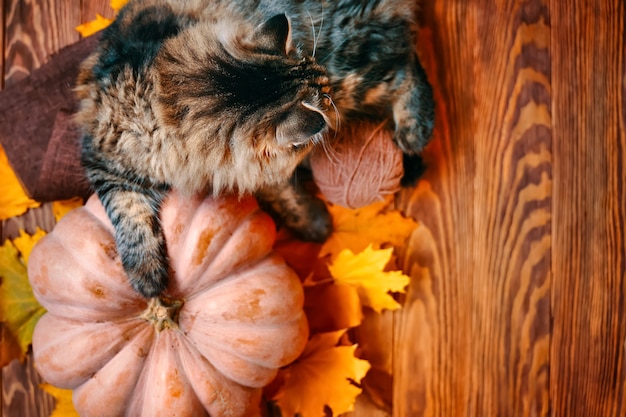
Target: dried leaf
(324, 375)
(331, 307)
(370, 225)
(25, 243)
(9, 348)
(301, 256)
(62, 207)
(19, 309)
(96, 25)
(64, 405)
(13, 198)
(366, 272)
(118, 4)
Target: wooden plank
(588, 374)
(512, 210)
(21, 396)
(89, 9)
(474, 333)
(432, 340)
(36, 29)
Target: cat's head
(246, 90)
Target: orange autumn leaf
(118, 4)
(330, 307)
(365, 271)
(61, 207)
(324, 375)
(96, 25)
(64, 406)
(301, 256)
(9, 347)
(100, 22)
(356, 229)
(13, 198)
(25, 243)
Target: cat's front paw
(412, 138)
(291, 206)
(148, 275)
(315, 225)
(414, 112)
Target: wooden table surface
(517, 300)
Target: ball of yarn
(360, 166)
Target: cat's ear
(274, 35)
(300, 124)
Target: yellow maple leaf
(61, 207)
(13, 198)
(25, 243)
(96, 25)
(19, 310)
(100, 22)
(118, 4)
(366, 272)
(324, 375)
(64, 406)
(355, 229)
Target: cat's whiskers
(330, 152)
(322, 139)
(317, 33)
(332, 51)
(337, 114)
(313, 31)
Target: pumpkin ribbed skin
(241, 317)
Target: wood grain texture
(588, 373)
(21, 396)
(432, 341)
(36, 29)
(512, 211)
(89, 9)
(477, 314)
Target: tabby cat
(230, 96)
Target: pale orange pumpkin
(230, 317)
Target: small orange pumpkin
(230, 317)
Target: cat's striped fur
(230, 96)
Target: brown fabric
(61, 175)
(36, 131)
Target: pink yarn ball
(362, 165)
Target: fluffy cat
(230, 96)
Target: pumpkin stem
(162, 312)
